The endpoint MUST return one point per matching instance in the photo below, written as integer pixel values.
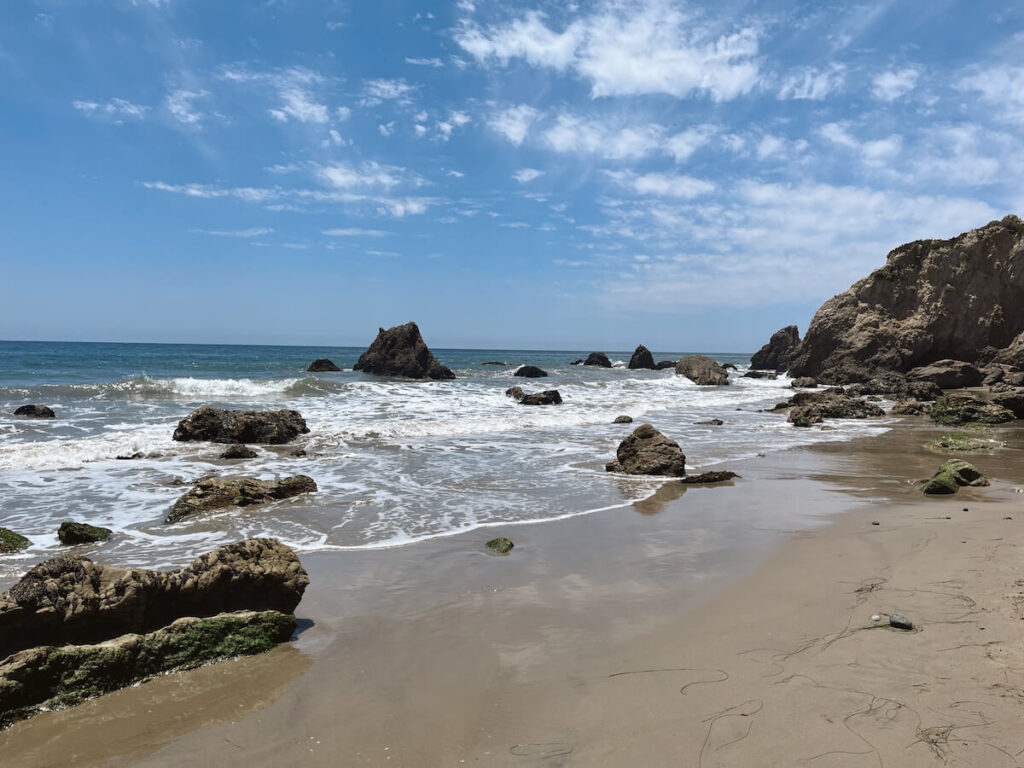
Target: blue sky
(688, 175)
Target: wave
(180, 388)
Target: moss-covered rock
(960, 442)
(499, 546)
(62, 676)
(953, 410)
(71, 532)
(12, 542)
(953, 475)
(940, 484)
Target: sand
(725, 626)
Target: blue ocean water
(396, 461)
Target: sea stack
(401, 351)
(777, 354)
(642, 359)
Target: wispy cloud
(115, 109)
(434, 62)
(890, 86)
(255, 232)
(513, 122)
(380, 90)
(355, 232)
(180, 104)
(813, 84)
(526, 175)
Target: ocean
(396, 461)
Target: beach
(721, 626)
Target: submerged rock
(623, 420)
(709, 423)
(71, 533)
(74, 600)
(222, 426)
(663, 364)
(12, 542)
(642, 359)
(948, 374)
(530, 372)
(401, 351)
(239, 452)
(599, 359)
(708, 477)
(35, 412)
(968, 409)
(777, 354)
(953, 475)
(702, 370)
(53, 677)
(648, 452)
(547, 397)
(499, 546)
(322, 365)
(516, 393)
(222, 492)
(495, 362)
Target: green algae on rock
(499, 546)
(12, 542)
(71, 532)
(953, 410)
(951, 476)
(961, 442)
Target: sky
(548, 175)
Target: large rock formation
(948, 374)
(648, 452)
(222, 492)
(221, 426)
(777, 354)
(73, 600)
(401, 351)
(956, 299)
(702, 370)
(599, 359)
(642, 359)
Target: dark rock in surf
(494, 362)
(600, 359)
(777, 354)
(401, 351)
(663, 364)
(239, 452)
(702, 370)
(642, 359)
(71, 533)
(547, 397)
(530, 372)
(516, 393)
(709, 477)
(623, 420)
(322, 365)
(221, 492)
(648, 452)
(12, 542)
(710, 423)
(760, 375)
(804, 382)
(35, 412)
(222, 426)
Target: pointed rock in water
(547, 397)
(71, 533)
(500, 546)
(222, 426)
(222, 492)
(709, 477)
(642, 359)
(322, 365)
(530, 372)
(648, 452)
(702, 370)
(12, 542)
(623, 420)
(401, 351)
(777, 354)
(599, 359)
(35, 412)
(516, 393)
(239, 452)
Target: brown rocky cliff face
(934, 299)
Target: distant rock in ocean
(702, 370)
(35, 412)
(599, 359)
(530, 372)
(401, 351)
(777, 354)
(322, 365)
(218, 425)
(642, 359)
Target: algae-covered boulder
(401, 351)
(968, 409)
(702, 370)
(218, 425)
(499, 546)
(648, 452)
(623, 419)
(52, 677)
(222, 492)
(71, 533)
(12, 542)
(953, 475)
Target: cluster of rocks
(807, 408)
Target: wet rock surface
(213, 493)
(35, 412)
(547, 397)
(952, 410)
(71, 533)
(642, 359)
(400, 351)
(322, 365)
(217, 425)
(702, 370)
(530, 372)
(600, 359)
(648, 452)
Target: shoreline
(441, 653)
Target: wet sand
(724, 626)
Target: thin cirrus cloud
(526, 175)
(180, 104)
(115, 109)
(244, 233)
(513, 122)
(355, 232)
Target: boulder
(599, 359)
(73, 600)
(53, 677)
(777, 354)
(499, 546)
(222, 426)
(547, 397)
(1012, 400)
(760, 375)
(708, 477)
(702, 370)
(239, 452)
(948, 374)
(956, 299)
(322, 365)
(12, 542)
(642, 359)
(623, 420)
(530, 372)
(516, 393)
(951, 410)
(813, 407)
(648, 452)
(35, 412)
(401, 351)
(710, 423)
(910, 408)
(222, 492)
(951, 476)
(804, 382)
(71, 533)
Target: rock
(239, 452)
(599, 359)
(401, 351)
(948, 374)
(729, 367)
(956, 299)
(71, 533)
(760, 375)
(322, 365)
(222, 492)
(777, 354)
(52, 677)
(578, 361)
(642, 359)
(516, 393)
(962, 443)
(953, 475)
(710, 423)
(623, 420)
(702, 370)
(899, 621)
(530, 372)
(298, 453)
(910, 408)
(1012, 400)
(499, 546)
(35, 412)
(804, 382)
(648, 452)
(812, 407)
(222, 426)
(896, 386)
(968, 409)
(73, 600)
(663, 364)
(130, 456)
(708, 477)
(495, 362)
(12, 542)
(547, 397)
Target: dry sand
(727, 626)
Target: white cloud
(662, 184)
(435, 62)
(812, 84)
(514, 122)
(114, 109)
(179, 104)
(343, 113)
(682, 145)
(526, 175)
(355, 232)
(367, 175)
(642, 47)
(573, 134)
(889, 86)
(294, 87)
(380, 90)
(455, 174)
(299, 105)
(386, 129)
(256, 232)
(876, 153)
(456, 119)
(1001, 86)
